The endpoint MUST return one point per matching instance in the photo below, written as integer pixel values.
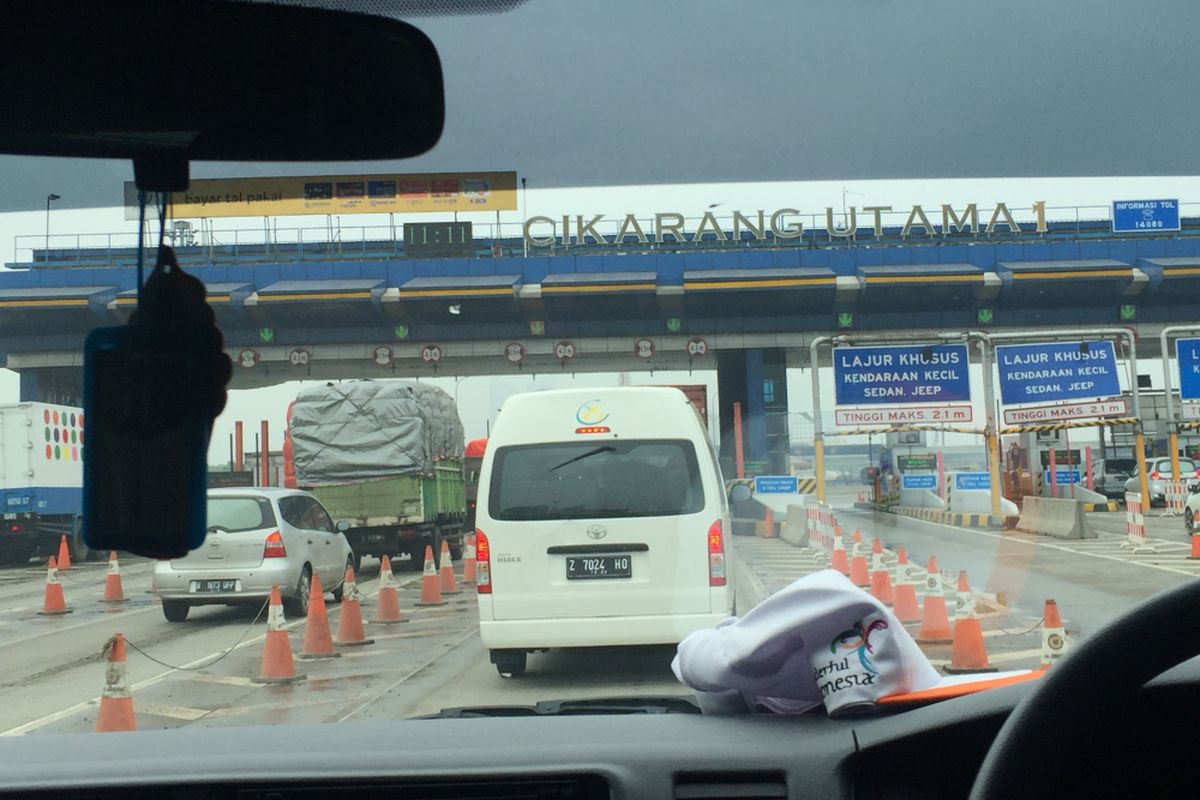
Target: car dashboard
(933, 751)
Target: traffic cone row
(968, 648)
(64, 554)
(113, 593)
(446, 579)
(116, 701)
(431, 587)
(318, 639)
(469, 559)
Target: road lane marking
(227, 680)
(376, 695)
(173, 712)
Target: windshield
(691, 301)
(578, 480)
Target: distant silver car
(1109, 476)
(257, 538)
(1159, 472)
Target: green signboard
(923, 462)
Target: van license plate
(589, 567)
(216, 586)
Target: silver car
(1159, 472)
(257, 538)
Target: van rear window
(583, 480)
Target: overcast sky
(617, 92)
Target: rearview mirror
(225, 81)
(739, 493)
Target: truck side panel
(385, 501)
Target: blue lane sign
(911, 481)
(1037, 373)
(901, 374)
(965, 481)
(1137, 216)
(775, 484)
(1187, 351)
(1062, 476)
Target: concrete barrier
(1062, 519)
(1082, 494)
(979, 501)
(795, 529)
(921, 498)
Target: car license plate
(589, 567)
(215, 586)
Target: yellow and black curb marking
(1111, 505)
(960, 519)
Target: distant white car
(1158, 473)
(257, 538)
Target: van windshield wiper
(555, 708)
(608, 448)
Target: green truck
(385, 458)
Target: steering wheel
(1096, 683)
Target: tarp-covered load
(372, 429)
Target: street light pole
(49, 198)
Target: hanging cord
(141, 250)
(1036, 625)
(104, 651)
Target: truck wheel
(175, 611)
(416, 559)
(79, 549)
(510, 663)
(456, 552)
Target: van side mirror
(739, 493)
(343, 526)
(1194, 488)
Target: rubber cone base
(359, 643)
(388, 621)
(316, 656)
(113, 602)
(279, 681)
(44, 613)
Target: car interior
(1109, 720)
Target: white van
(602, 520)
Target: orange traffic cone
(856, 549)
(768, 529)
(318, 641)
(112, 581)
(446, 573)
(64, 554)
(858, 571)
(277, 663)
(935, 624)
(54, 603)
(431, 592)
(1054, 635)
(387, 605)
(116, 703)
(838, 559)
(350, 623)
(469, 559)
(968, 653)
(881, 584)
(904, 604)
(1195, 546)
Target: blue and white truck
(41, 480)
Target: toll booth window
(768, 391)
(582, 480)
(235, 514)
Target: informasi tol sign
(901, 374)
(1031, 373)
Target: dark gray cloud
(602, 92)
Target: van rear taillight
(274, 546)
(483, 563)
(594, 429)
(1154, 475)
(716, 555)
